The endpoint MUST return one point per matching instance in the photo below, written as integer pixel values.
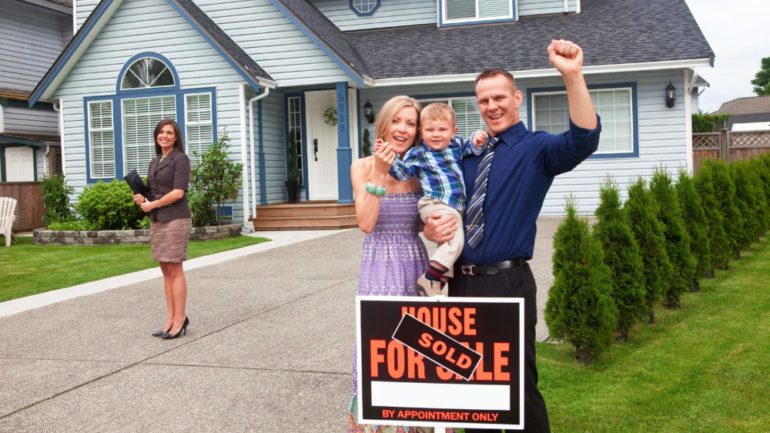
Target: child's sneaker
(426, 287)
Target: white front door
(321, 148)
(19, 164)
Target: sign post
(441, 362)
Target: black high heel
(160, 332)
(183, 329)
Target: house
(34, 32)
(266, 72)
(747, 114)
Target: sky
(739, 34)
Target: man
(506, 194)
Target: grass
(28, 269)
(700, 368)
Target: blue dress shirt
(522, 171)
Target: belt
(491, 268)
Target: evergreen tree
(745, 201)
(718, 239)
(724, 188)
(622, 256)
(761, 180)
(648, 231)
(677, 238)
(761, 79)
(579, 307)
(696, 225)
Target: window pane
(494, 8)
(456, 9)
(551, 113)
(364, 6)
(294, 116)
(614, 107)
(101, 140)
(147, 72)
(468, 116)
(139, 119)
(199, 125)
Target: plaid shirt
(440, 173)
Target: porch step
(316, 215)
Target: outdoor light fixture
(670, 94)
(368, 113)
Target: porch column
(344, 156)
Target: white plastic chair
(7, 216)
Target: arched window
(147, 72)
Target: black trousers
(517, 281)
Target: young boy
(436, 160)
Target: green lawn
(28, 269)
(702, 368)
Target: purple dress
(392, 258)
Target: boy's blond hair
(389, 111)
(438, 111)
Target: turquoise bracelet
(379, 191)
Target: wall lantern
(368, 112)
(670, 94)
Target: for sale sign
(452, 362)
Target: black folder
(137, 184)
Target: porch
(307, 215)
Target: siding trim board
(117, 120)
(532, 91)
(358, 79)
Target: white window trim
(188, 123)
(91, 130)
(564, 92)
(446, 20)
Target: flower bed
(142, 236)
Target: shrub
(715, 222)
(109, 206)
(724, 190)
(622, 256)
(56, 199)
(756, 168)
(79, 225)
(702, 122)
(677, 238)
(579, 307)
(213, 180)
(696, 225)
(648, 231)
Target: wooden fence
(729, 145)
(29, 209)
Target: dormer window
(147, 72)
(364, 8)
(473, 11)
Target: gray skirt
(169, 240)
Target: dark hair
(494, 72)
(178, 143)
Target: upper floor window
(460, 11)
(147, 72)
(364, 7)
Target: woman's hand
(147, 206)
(440, 228)
(384, 155)
(139, 199)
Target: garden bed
(141, 236)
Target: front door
(321, 148)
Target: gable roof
(748, 105)
(215, 36)
(328, 37)
(624, 34)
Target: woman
(170, 222)
(393, 256)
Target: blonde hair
(389, 111)
(438, 111)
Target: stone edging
(141, 236)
